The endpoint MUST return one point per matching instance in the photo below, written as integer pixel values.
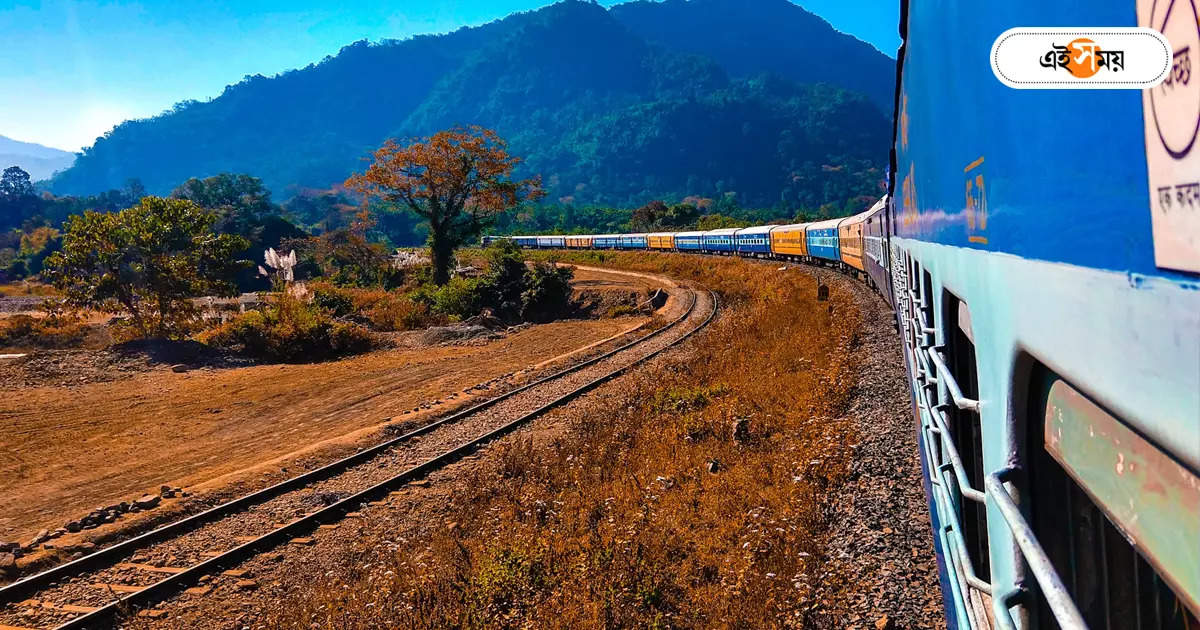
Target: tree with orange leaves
(459, 180)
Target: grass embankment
(693, 496)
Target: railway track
(90, 591)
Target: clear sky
(70, 71)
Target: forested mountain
(37, 160)
(749, 37)
(609, 106)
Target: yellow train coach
(789, 241)
(661, 240)
(579, 242)
(850, 238)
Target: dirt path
(66, 450)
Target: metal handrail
(955, 525)
(1059, 599)
(960, 401)
(960, 471)
(1006, 602)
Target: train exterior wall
(876, 250)
(1043, 271)
(822, 240)
(720, 241)
(850, 241)
(753, 241)
(633, 241)
(789, 240)
(661, 241)
(689, 241)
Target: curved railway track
(90, 591)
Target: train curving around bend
(1047, 291)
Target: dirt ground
(66, 450)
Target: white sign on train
(1031, 58)
(1171, 116)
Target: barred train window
(1113, 585)
(966, 429)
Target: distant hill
(777, 36)
(610, 106)
(39, 161)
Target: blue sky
(70, 71)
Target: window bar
(951, 516)
(1059, 599)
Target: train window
(966, 429)
(1113, 585)
(927, 297)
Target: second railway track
(90, 591)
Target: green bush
(461, 297)
(548, 292)
(337, 302)
(292, 331)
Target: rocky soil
(884, 572)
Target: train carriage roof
(829, 224)
(757, 229)
(722, 232)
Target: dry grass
(55, 327)
(23, 288)
(622, 521)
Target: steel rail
(108, 556)
(171, 584)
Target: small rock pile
(10, 551)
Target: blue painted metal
(753, 241)
(720, 241)
(551, 241)
(1053, 258)
(525, 241)
(823, 240)
(1060, 188)
(689, 241)
(607, 241)
(633, 241)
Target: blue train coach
(689, 241)
(823, 240)
(548, 242)
(633, 241)
(1051, 321)
(606, 241)
(753, 241)
(719, 241)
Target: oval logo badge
(1031, 58)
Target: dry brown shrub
(621, 522)
(56, 327)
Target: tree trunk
(440, 252)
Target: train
(1047, 293)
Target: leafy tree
(36, 246)
(18, 200)
(346, 257)
(647, 217)
(148, 261)
(548, 292)
(15, 184)
(243, 207)
(719, 221)
(457, 180)
(240, 200)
